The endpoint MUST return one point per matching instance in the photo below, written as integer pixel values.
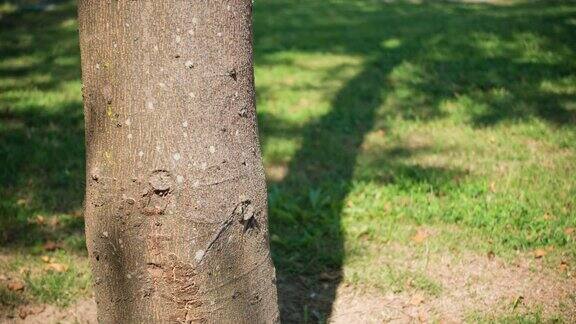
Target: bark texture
(176, 211)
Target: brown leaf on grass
(563, 267)
(25, 310)
(420, 236)
(58, 267)
(569, 230)
(40, 220)
(51, 246)
(47, 259)
(15, 286)
(539, 253)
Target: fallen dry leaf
(40, 220)
(24, 311)
(16, 286)
(58, 267)
(47, 259)
(563, 267)
(51, 246)
(538, 253)
(420, 236)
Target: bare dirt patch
(82, 312)
(470, 284)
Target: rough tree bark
(176, 210)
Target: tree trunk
(176, 210)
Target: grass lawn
(406, 144)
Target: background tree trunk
(176, 211)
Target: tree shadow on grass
(418, 57)
(41, 130)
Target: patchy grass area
(402, 140)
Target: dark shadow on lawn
(41, 143)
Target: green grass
(377, 119)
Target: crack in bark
(240, 210)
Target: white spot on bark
(212, 149)
(228, 7)
(179, 179)
(150, 105)
(199, 254)
(105, 234)
(178, 39)
(196, 183)
(203, 165)
(162, 84)
(194, 20)
(185, 124)
(128, 122)
(158, 148)
(129, 136)
(189, 64)
(140, 154)
(156, 48)
(185, 134)
(191, 32)
(176, 156)
(192, 95)
(127, 24)
(219, 34)
(97, 66)
(129, 276)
